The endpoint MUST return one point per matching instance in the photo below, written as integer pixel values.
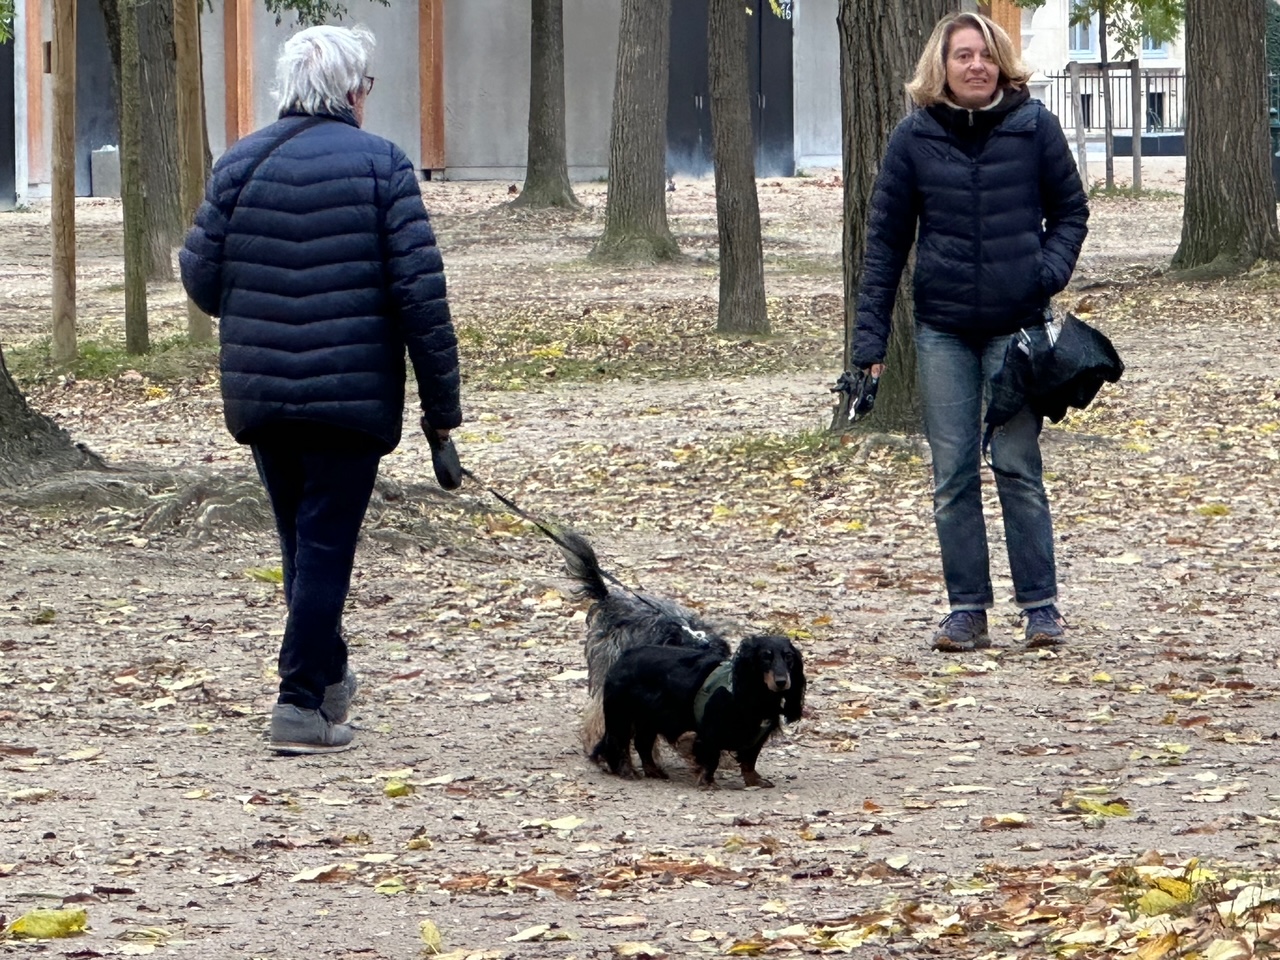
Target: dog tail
(581, 563)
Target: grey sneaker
(962, 631)
(297, 731)
(1045, 626)
(338, 697)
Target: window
(1152, 50)
(1082, 39)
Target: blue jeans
(319, 500)
(954, 373)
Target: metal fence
(1162, 97)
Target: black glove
(444, 458)
(860, 387)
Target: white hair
(320, 66)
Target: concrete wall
(487, 87)
(817, 84)
(392, 108)
(212, 52)
(96, 109)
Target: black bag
(1052, 366)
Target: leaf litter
(1113, 798)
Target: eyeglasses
(367, 85)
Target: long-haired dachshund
(734, 704)
(618, 620)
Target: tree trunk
(742, 303)
(162, 158)
(136, 336)
(31, 445)
(546, 178)
(1108, 128)
(63, 187)
(188, 78)
(1229, 216)
(636, 214)
(879, 47)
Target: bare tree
(191, 134)
(879, 47)
(136, 336)
(546, 178)
(161, 161)
(1229, 216)
(742, 301)
(636, 214)
(63, 187)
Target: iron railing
(1163, 97)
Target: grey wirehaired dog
(620, 620)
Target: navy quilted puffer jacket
(1001, 218)
(323, 268)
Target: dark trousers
(319, 499)
(955, 373)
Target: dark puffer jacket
(323, 268)
(1001, 213)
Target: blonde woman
(981, 179)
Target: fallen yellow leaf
(48, 924)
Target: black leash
(555, 537)
(449, 473)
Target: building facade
(453, 82)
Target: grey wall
(212, 51)
(97, 122)
(486, 83)
(487, 87)
(817, 84)
(392, 109)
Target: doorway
(769, 58)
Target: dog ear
(793, 699)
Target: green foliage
(169, 360)
(306, 13)
(1129, 193)
(6, 20)
(1128, 21)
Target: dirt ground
(1004, 803)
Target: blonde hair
(929, 85)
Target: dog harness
(721, 678)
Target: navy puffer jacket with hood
(1001, 216)
(324, 269)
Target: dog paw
(656, 772)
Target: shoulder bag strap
(275, 145)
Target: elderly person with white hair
(314, 249)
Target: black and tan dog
(733, 705)
(655, 668)
(620, 620)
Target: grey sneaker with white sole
(296, 731)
